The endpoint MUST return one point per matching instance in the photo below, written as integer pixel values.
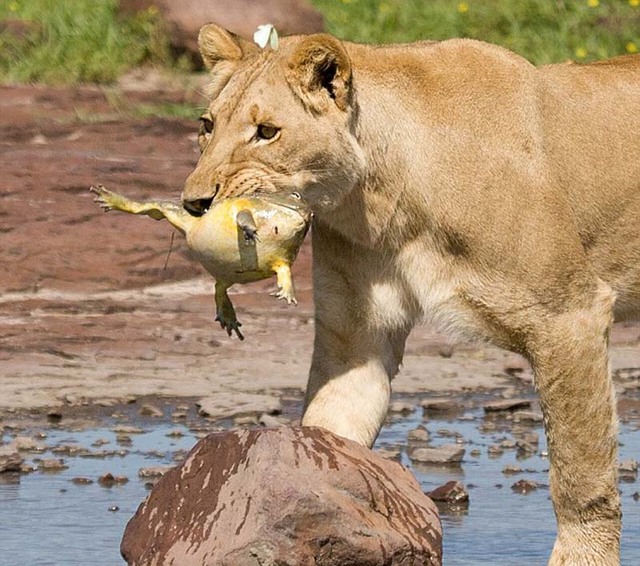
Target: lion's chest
(434, 285)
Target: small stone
(270, 421)
(246, 420)
(448, 455)
(440, 406)
(179, 415)
(54, 416)
(10, 459)
(450, 492)
(153, 471)
(495, 451)
(100, 442)
(508, 444)
(175, 433)
(124, 439)
(122, 429)
(628, 466)
(149, 410)
(82, 481)
(636, 496)
(418, 434)
(109, 480)
(511, 469)
(506, 405)
(527, 416)
(51, 465)
(26, 444)
(524, 486)
(114, 508)
(402, 407)
(475, 453)
(70, 450)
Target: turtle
(237, 240)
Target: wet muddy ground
(96, 322)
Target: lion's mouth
(198, 207)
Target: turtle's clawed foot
(103, 197)
(225, 313)
(230, 326)
(285, 293)
(285, 284)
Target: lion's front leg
(570, 359)
(354, 359)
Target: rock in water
(286, 496)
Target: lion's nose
(198, 206)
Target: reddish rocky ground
(88, 311)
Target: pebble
(402, 407)
(82, 481)
(448, 454)
(149, 410)
(26, 444)
(51, 464)
(418, 434)
(270, 421)
(175, 433)
(506, 405)
(70, 450)
(10, 460)
(510, 469)
(153, 471)
(527, 416)
(109, 480)
(123, 429)
(440, 406)
(495, 451)
(524, 486)
(450, 492)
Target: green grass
(543, 31)
(73, 41)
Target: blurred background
(71, 41)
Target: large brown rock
(186, 17)
(286, 496)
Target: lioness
(452, 182)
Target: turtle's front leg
(225, 313)
(157, 210)
(285, 283)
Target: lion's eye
(266, 132)
(206, 125)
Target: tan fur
(452, 182)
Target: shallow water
(48, 520)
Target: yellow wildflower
(463, 8)
(13, 7)
(593, 3)
(581, 53)
(631, 47)
(634, 3)
(153, 10)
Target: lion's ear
(320, 72)
(218, 45)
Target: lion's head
(278, 120)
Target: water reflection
(49, 519)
